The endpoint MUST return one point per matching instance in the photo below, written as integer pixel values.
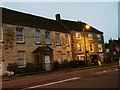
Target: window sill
(20, 42)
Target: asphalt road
(102, 77)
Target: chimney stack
(57, 17)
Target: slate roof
(24, 19)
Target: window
(78, 36)
(1, 33)
(100, 48)
(90, 37)
(98, 37)
(57, 37)
(21, 56)
(47, 37)
(68, 55)
(67, 39)
(37, 37)
(91, 47)
(19, 35)
(79, 48)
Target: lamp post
(85, 52)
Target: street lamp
(85, 52)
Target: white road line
(47, 84)
(101, 72)
(116, 69)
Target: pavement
(18, 76)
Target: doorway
(47, 63)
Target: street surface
(102, 77)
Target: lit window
(78, 36)
(37, 37)
(79, 48)
(100, 48)
(19, 35)
(57, 37)
(91, 47)
(67, 39)
(21, 58)
(98, 37)
(47, 37)
(90, 37)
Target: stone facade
(45, 41)
(11, 47)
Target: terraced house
(27, 38)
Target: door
(47, 63)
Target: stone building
(28, 38)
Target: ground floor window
(21, 58)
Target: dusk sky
(101, 15)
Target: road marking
(47, 84)
(116, 69)
(101, 72)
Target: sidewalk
(8, 78)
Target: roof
(24, 19)
(42, 49)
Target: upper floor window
(67, 39)
(21, 58)
(1, 33)
(57, 37)
(79, 48)
(90, 37)
(37, 37)
(19, 35)
(47, 37)
(98, 37)
(91, 47)
(100, 49)
(78, 36)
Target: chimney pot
(57, 17)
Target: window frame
(92, 47)
(57, 39)
(100, 46)
(21, 59)
(99, 37)
(38, 37)
(67, 39)
(48, 40)
(78, 33)
(79, 47)
(90, 36)
(18, 35)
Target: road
(102, 77)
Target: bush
(56, 65)
(13, 67)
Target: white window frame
(99, 37)
(78, 35)
(37, 36)
(57, 39)
(100, 47)
(21, 59)
(1, 33)
(91, 44)
(47, 38)
(18, 34)
(90, 37)
(79, 48)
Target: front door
(47, 63)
